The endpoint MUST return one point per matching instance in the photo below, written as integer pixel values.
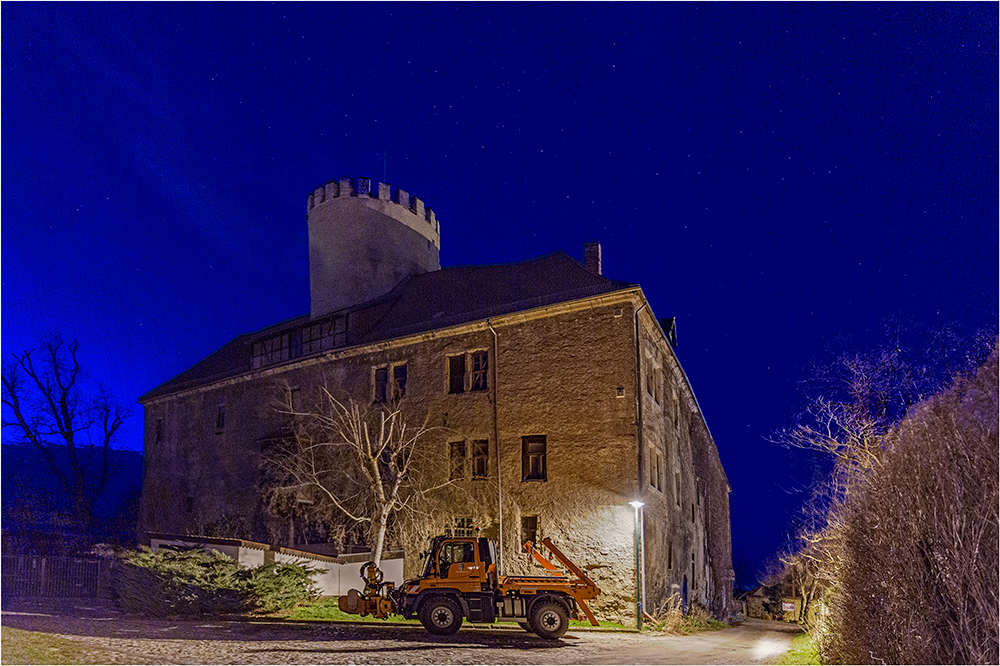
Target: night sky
(775, 176)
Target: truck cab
(459, 580)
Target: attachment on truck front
(372, 601)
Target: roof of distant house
(425, 302)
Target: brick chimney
(592, 257)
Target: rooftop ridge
(362, 188)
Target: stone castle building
(554, 387)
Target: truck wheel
(441, 616)
(549, 619)
(526, 626)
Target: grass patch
(602, 623)
(803, 651)
(328, 610)
(18, 646)
(695, 623)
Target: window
(453, 553)
(399, 381)
(480, 364)
(657, 383)
(381, 384)
(692, 515)
(533, 458)
(677, 487)
(655, 468)
(220, 418)
(295, 399)
(529, 529)
(159, 430)
(670, 554)
(322, 335)
(651, 464)
(314, 337)
(271, 350)
(676, 408)
(461, 527)
(189, 505)
(649, 377)
(457, 460)
(480, 458)
(389, 383)
(456, 374)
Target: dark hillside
(36, 512)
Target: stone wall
(673, 516)
(565, 372)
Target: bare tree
(47, 408)
(363, 464)
(900, 540)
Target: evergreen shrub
(174, 581)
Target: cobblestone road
(112, 637)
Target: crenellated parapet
(401, 200)
(365, 237)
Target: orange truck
(459, 581)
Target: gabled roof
(421, 303)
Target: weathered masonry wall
(565, 373)
(686, 508)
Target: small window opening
(529, 530)
(457, 459)
(456, 374)
(399, 380)
(381, 384)
(480, 458)
(533, 458)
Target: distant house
(544, 375)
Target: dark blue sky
(775, 176)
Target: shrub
(275, 587)
(918, 574)
(172, 581)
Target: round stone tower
(362, 243)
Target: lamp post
(638, 585)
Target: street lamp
(638, 585)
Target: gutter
(496, 439)
(638, 395)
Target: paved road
(112, 637)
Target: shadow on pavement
(97, 618)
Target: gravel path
(113, 637)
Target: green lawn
(327, 609)
(31, 647)
(803, 651)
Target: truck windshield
(425, 571)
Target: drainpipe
(638, 396)
(496, 438)
(639, 439)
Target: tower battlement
(362, 187)
(364, 238)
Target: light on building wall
(639, 573)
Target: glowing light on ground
(768, 647)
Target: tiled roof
(424, 302)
